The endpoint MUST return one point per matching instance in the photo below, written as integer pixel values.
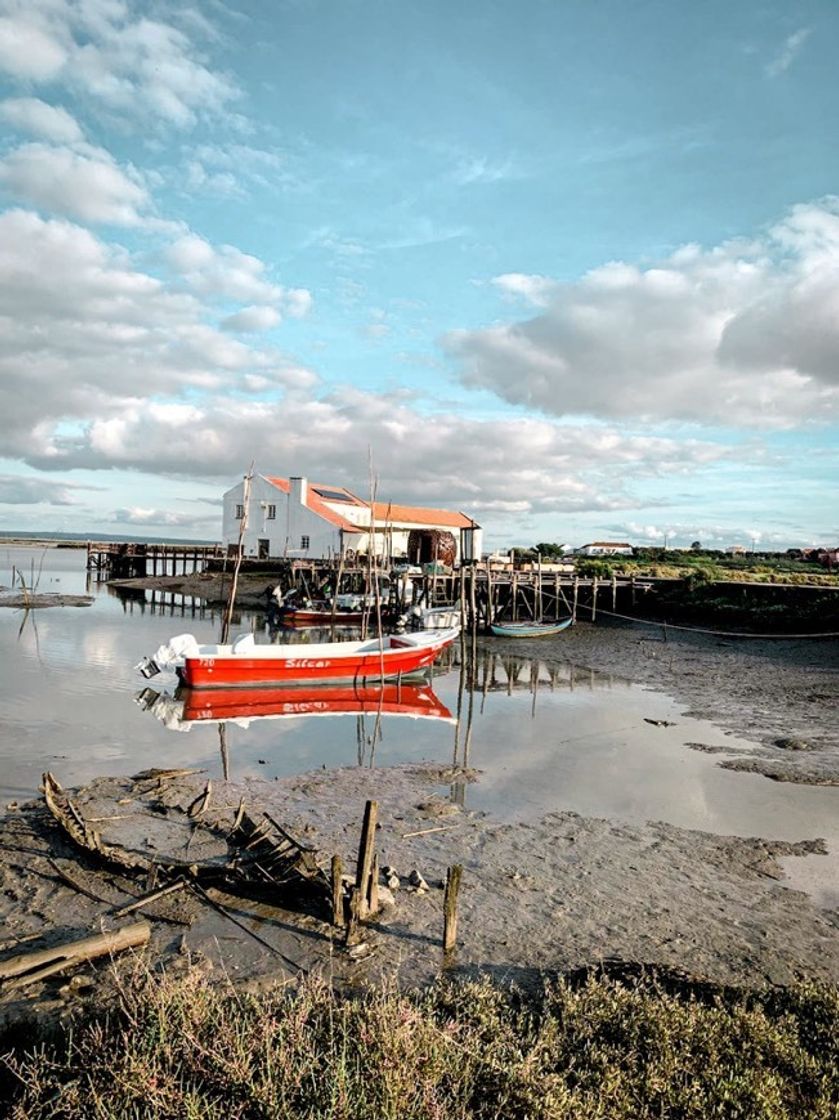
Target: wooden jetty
(129, 559)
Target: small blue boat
(529, 629)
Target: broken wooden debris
(261, 853)
(29, 968)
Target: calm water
(545, 739)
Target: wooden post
(353, 933)
(632, 586)
(365, 854)
(614, 592)
(30, 968)
(576, 593)
(338, 892)
(373, 886)
(594, 598)
(453, 876)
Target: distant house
(604, 548)
(296, 518)
(736, 550)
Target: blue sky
(572, 267)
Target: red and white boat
(245, 663)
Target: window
(304, 542)
(240, 512)
(271, 513)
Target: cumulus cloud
(227, 272)
(251, 319)
(537, 466)
(19, 490)
(744, 333)
(145, 516)
(113, 52)
(87, 185)
(49, 122)
(85, 335)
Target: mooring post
(594, 598)
(338, 892)
(576, 593)
(365, 854)
(614, 592)
(453, 876)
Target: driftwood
(29, 968)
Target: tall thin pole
(243, 524)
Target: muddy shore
(554, 893)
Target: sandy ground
(554, 893)
(37, 600)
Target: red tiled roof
(316, 504)
(420, 515)
(382, 511)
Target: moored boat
(245, 663)
(529, 629)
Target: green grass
(183, 1048)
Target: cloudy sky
(571, 267)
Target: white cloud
(535, 289)
(113, 52)
(19, 490)
(50, 122)
(792, 47)
(229, 273)
(150, 517)
(252, 319)
(85, 185)
(29, 50)
(745, 333)
(87, 337)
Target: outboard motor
(148, 667)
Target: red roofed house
(294, 517)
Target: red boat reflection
(417, 701)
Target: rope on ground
(706, 630)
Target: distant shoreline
(78, 541)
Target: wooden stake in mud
(576, 593)
(373, 886)
(614, 592)
(365, 854)
(337, 892)
(453, 876)
(594, 599)
(353, 933)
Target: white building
(296, 518)
(605, 548)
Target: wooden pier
(126, 560)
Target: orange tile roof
(316, 504)
(420, 515)
(382, 511)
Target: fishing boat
(319, 617)
(245, 663)
(529, 629)
(240, 706)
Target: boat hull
(219, 670)
(529, 629)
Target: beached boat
(318, 617)
(235, 705)
(246, 663)
(529, 629)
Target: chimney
(298, 490)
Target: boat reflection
(186, 707)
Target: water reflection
(546, 734)
(185, 707)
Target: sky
(570, 266)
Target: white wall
(285, 531)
